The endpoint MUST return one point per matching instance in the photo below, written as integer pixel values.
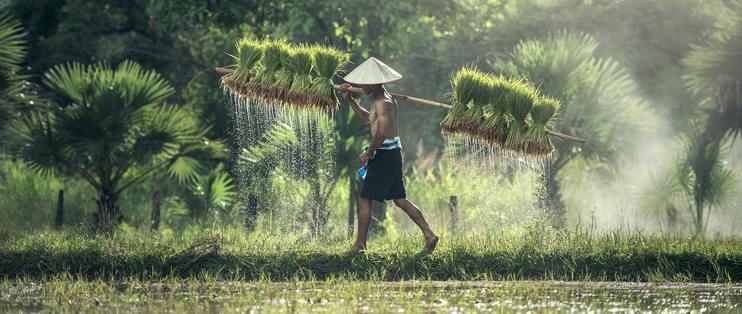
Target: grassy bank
(232, 254)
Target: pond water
(192, 295)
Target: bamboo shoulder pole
(225, 71)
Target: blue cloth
(391, 143)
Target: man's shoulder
(386, 103)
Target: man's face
(368, 89)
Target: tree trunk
(156, 210)
(108, 216)
(699, 215)
(251, 211)
(672, 217)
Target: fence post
(453, 204)
(352, 206)
(156, 210)
(59, 215)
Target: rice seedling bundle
(542, 116)
(284, 75)
(300, 65)
(327, 62)
(271, 62)
(249, 53)
(519, 101)
(505, 113)
(461, 95)
(471, 119)
(494, 127)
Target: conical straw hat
(372, 71)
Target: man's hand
(363, 158)
(345, 92)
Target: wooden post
(453, 206)
(352, 201)
(156, 210)
(59, 215)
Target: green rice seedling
(471, 119)
(249, 53)
(542, 116)
(271, 62)
(327, 63)
(494, 128)
(461, 95)
(300, 64)
(520, 100)
(284, 74)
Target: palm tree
(112, 128)
(703, 178)
(660, 198)
(12, 54)
(712, 73)
(699, 182)
(597, 95)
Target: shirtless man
(384, 177)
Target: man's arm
(360, 112)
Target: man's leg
(364, 221)
(417, 216)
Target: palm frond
(140, 87)
(12, 54)
(215, 188)
(72, 81)
(37, 142)
(712, 73)
(184, 169)
(664, 189)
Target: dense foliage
(633, 77)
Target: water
(464, 150)
(362, 296)
(281, 152)
(526, 173)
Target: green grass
(232, 253)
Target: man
(383, 158)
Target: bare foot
(357, 248)
(430, 242)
